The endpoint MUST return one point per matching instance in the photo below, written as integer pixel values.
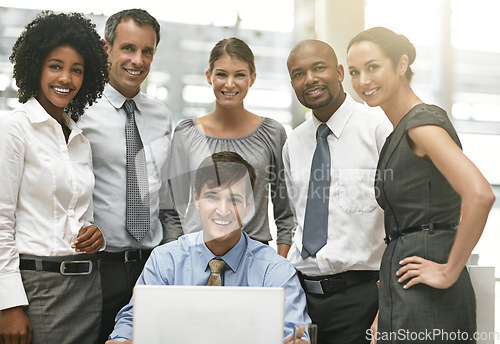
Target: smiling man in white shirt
(340, 276)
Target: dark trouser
(118, 280)
(344, 317)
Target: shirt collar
(116, 99)
(37, 114)
(68, 121)
(232, 258)
(339, 119)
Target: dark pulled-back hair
(392, 45)
(139, 16)
(222, 169)
(47, 32)
(235, 48)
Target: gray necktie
(138, 209)
(316, 218)
(216, 267)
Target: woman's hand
(434, 143)
(89, 240)
(418, 270)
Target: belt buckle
(129, 259)
(333, 285)
(313, 287)
(62, 268)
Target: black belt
(336, 283)
(66, 267)
(125, 256)
(425, 227)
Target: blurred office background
(457, 65)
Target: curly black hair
(47, 32)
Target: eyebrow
(61, 61)
(237, 196)
(364, 64)
(370, 61)
(234, 195)
(132, 45)
(313, 65)
(223, 70)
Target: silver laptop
(209, 315)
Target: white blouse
(46, 189)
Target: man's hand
(15, 326)
(298, 337)
(89, 240)
(128, 341)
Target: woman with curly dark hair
(50, 290)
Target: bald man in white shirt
(340, 278)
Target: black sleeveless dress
(412, 192)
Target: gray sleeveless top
(410, 189)
(261, 148)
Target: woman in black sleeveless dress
(435, 201)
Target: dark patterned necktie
(138, 208)
(216, 267)
(315, 230)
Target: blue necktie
(138, 208)
(315, 230)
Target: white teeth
(221, 223)
(61, 90)
(133, 72)
(369, 93)
(315, 91)
(229, 94)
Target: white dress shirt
(104, 125)
(355, 221)
(46, 192)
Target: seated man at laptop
(222, 194)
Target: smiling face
(130, 56)
(316, 78)
(61, 79)
(222, 209)
(374, 77)
(230, 79)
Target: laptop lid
(209, 315)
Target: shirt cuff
(12, 292)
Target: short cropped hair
(222, 169)
(47, 32)
(139, 16)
